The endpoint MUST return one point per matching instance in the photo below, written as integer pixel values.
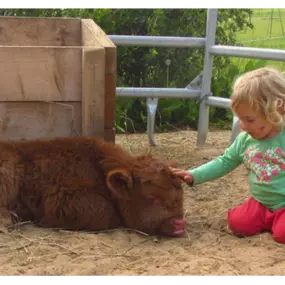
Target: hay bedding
(207, 248)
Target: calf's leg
(9, 181)
(5, 220)
(79, 208)
(20, 211)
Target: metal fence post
(235, 129)
(151, 104)
(203, 123)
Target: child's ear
(280, 108)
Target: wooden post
(93, 90)
(40, 94)
(93, 35)
(57, 78)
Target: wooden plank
(40, 73)
(110, 135)
(110, 101)
(34, 31)
(93, 89)
(93, 35)
(30, 120)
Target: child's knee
(235, 223)
(248, 218)
(278, 227)
(240, 224)
(279, 235)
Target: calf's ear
(120, 182)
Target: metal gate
(200, 87)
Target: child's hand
(183, 174)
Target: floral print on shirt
(265, 165)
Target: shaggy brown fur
(86, 183)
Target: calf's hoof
(6, 225)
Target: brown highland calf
(84, 183)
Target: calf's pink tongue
(178, 227)
(178, 223)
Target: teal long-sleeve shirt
(265, 159)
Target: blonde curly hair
(264, 90)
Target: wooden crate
(57, 78)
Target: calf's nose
(179, 223)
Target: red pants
(251, 218)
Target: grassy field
(269, 28)
(268, 32)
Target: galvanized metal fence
(200, 87)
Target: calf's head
(149, 196)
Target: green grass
(267, 12)
(262, 36)
(266, 28)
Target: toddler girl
(258, 100)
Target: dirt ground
(206, 249)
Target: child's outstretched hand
(183, 174)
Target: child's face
(255, 123)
